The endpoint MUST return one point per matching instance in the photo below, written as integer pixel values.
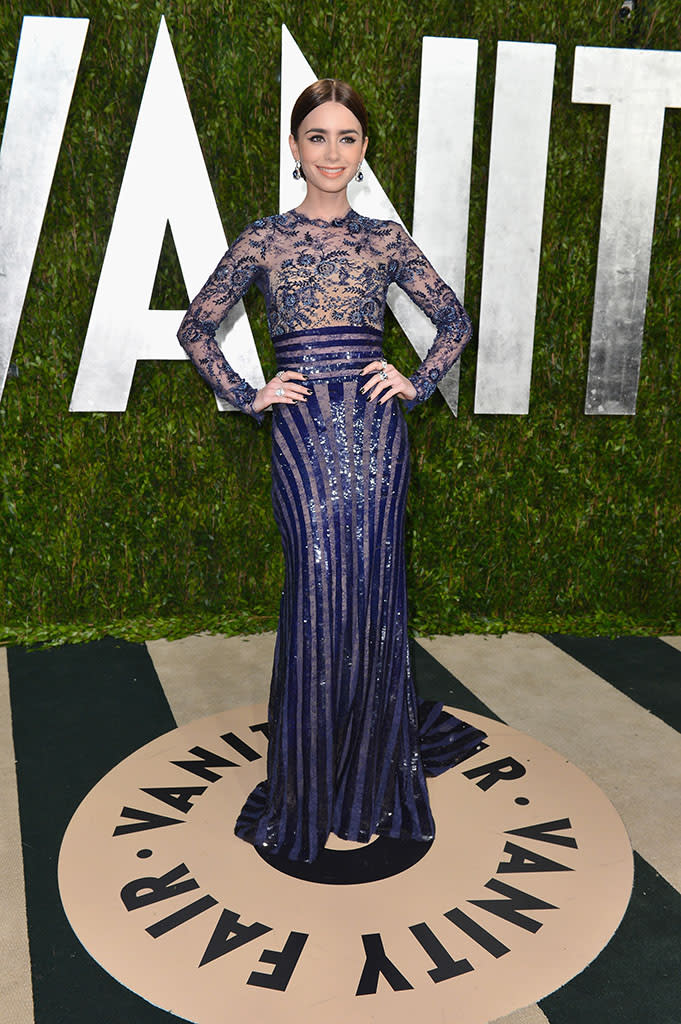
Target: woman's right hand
(284, 382)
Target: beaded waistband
(324, 352)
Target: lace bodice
(318, 274)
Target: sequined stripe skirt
(345, 729)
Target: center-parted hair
(328, 90)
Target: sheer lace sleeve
(237, 270)
(416, 276)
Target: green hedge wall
(157, 521)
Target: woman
(350, 745)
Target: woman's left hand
(386, 382)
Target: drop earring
(296, 170)
(359, 176)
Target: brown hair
(324, 91)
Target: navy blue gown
(350, 744)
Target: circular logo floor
(527, 879)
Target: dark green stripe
(77, 711)
(637, 977)
(647, 669)
(434, 682)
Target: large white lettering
(44, 75)
(165, 181)
(442, 185)
(515, 206)
(638, 85)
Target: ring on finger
(384, 363)
(383, 375)
(279, 392)
(280, 374)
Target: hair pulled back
(324, 91)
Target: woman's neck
(324, 207)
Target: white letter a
(165, 181)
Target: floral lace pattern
(318, 274)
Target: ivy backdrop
(157, 521)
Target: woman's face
(330, 147)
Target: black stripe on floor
(77, 711)
(637, 977)
(435, 682)
(647, 669)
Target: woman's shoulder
(380, 225)
(263, 225)
(383, 234)
(257, 237)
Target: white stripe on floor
(16, 993)
(673, 641)
(203, 675)
(630, 753)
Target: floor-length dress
(350, 744)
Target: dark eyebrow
(322, 131)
